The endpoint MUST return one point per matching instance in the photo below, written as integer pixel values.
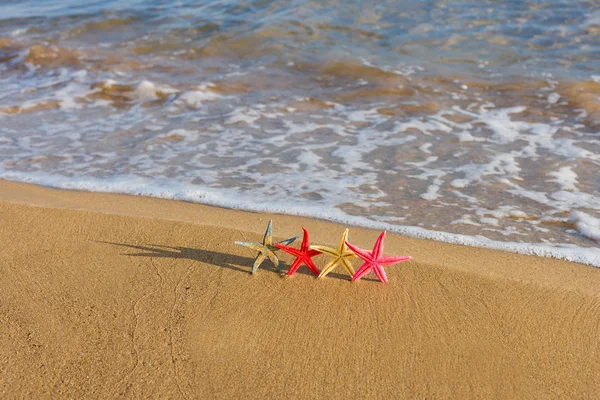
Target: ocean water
(474, 122)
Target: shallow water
(464, 117)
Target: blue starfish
(266, 248)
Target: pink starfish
(374, 261)
(303, 255)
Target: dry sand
(105, 296)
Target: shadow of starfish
(222, 260)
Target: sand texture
(108, 296)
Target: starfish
(341, 255)
(303, 255)
(374, 261)
(266, 248)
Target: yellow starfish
(341, 255)
(266, 249)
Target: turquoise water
(432, 118)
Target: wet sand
(106, 296)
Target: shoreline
(583, 255)
(195, 213)
(108, 295)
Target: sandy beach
(144, 146)
(106, 296)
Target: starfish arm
(343, 239)
(288, 241)
(392, 260)
(362, 271)
(359, 252)
(295, 265)
(259, 259)
(378, 247)
(304, 245)
(380, 273)
(311, 265)
(312, 253)
(252, 245)
(348, 266)
(326, 250)
(273, 257)
(289, 250)
(328, 268)
(281, 247)
(268, 239)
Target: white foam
(147, 91)
(586, 225)
(489, 221)
(200, 95)
(309, 158)
(505, 129)
(425, 148)
(465, 220)
(465, 137)
(434, 187)
(244, 115)
(468, 198)
(565, 177)
(424, 127)
(553, 98)
(19, 32)
(503, 165)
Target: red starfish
(374, 261)
(303, 255)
